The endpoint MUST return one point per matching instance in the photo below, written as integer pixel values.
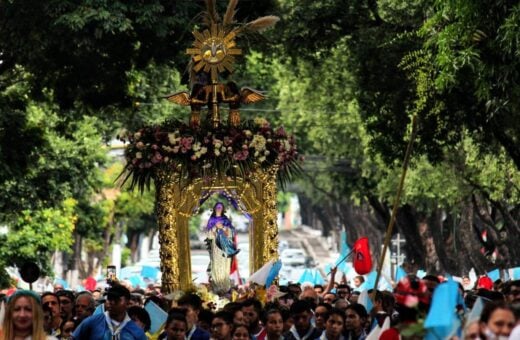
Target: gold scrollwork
(177, 200)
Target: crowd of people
(287, 312)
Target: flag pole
(342, 260)
(391, 223)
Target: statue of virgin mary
(222, 248)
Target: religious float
(188, 162)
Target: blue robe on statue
(224, 242)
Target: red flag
(362, 258)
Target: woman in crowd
(355, 320)
(273, 322)
(67, 328)
(24, 318)
(334, 326)
(321, 313)
(497, 320)
(240, 332)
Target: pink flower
(157, 158)
(280, 132)
(241, 155)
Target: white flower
(258, 142)
(267, 152)
(138, 155)
(203, 150)
(261, 159)
(137, 135)
(217, 152)
(196, 146)
(172, 138)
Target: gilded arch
(177, 200)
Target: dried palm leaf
(229, 17)
(262, 23)
(211, 15)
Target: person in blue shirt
(114, 324)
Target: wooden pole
(391, 223)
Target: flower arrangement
(202, 152)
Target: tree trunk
(407, 226)
(441, 239)
(469, 244)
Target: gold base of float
(177, 201)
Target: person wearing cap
(115, 323)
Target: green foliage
(283, 200)
(473, 72)
(35, 234)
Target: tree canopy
(345, 76)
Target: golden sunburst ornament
(213, 51)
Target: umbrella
(265, 275)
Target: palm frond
(261, 24)
(211, 14)
(229, 16)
